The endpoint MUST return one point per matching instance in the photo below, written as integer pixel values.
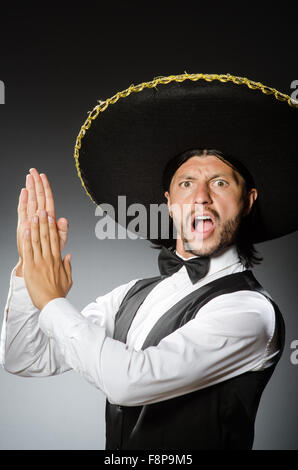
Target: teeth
(201, 217)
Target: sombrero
(127, 140)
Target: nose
(202, 194)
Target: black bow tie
(169, 263)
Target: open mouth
(203, 224)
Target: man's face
(206, 202)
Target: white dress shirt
(231, 334)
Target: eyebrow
(189, 177)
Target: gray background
(55, 65)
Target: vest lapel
(130, 305)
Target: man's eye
(220, 183)
(185, 183)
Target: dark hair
(245, 247)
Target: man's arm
(231, 335)
(25, 349)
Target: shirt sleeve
(26, 350)
(229, 336)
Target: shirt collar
(226, 258)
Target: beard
(227, 236)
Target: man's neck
(189, 255)
(185, 258)
(223, 251)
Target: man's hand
(35, 197)
(46, 275)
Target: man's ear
(250, 199)
(167, 195)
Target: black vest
(218, 417)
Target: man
(183, 357)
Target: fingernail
(43, 214)
(35, 219)
(27, 232)
(51, 219)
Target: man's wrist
(45, 301)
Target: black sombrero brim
(127, 140)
